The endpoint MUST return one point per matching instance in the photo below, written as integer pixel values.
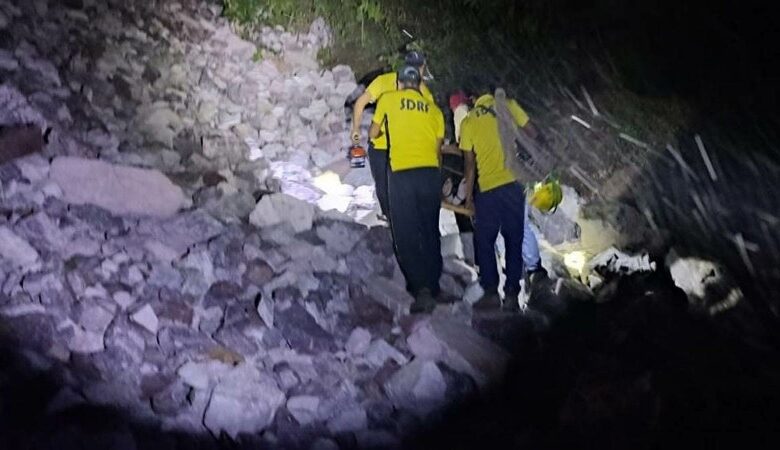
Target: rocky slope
(142, 273)
(176, 248)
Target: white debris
(614, 261)
(147, 319)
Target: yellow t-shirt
(414, 125)
(479, 133)
(381, 85)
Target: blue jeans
(500, 210)
(531, 257)
(532, 260)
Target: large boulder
(461, 348)
(418, 386)
(118, 189)
(274, 209)
(244, 401)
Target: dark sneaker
(511, 302)
(488, 301)
(424, 303)
(536, 275)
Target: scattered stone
(358, 342)
(147, 319)
(350, 420)
(380, 351)
(302, 332)
(419, 387)
(244, 401)
(15, 252)
(119, 189)
(304, 408)
(461, 348)
(274, 209)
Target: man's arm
(439, 145)
(469, 170)
(375, 131)
(357, 115)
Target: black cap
(409, 74)
(414, 58)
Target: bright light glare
(575, 261)
(329, 182)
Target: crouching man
(414, 128)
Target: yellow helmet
(546, 195)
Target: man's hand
(469, 202)
(355, 135)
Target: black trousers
(378, 161)
(415, 200)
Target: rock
(121, 190)
(380, 351)
(95, 318)
(244, 401)
(461, 348)
(340, 237)
(19, 140)
(351, 420)
(15, 252)
(418, 387)
(147, 319)
(304, 408)
(274, 209)
(302, 332)
(377, 439)
(21, 309)
(182, 231)
(358, 341)
(202, 375)
(171, 400)
(258, 273)
(165, 276)
(83, 341)
(389, 294)
(159, 125)
(265, 309)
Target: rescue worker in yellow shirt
(377, 148)
(414, 128)
(499, 202)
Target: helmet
(414, 58)
(546, 195)
(409, 74)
